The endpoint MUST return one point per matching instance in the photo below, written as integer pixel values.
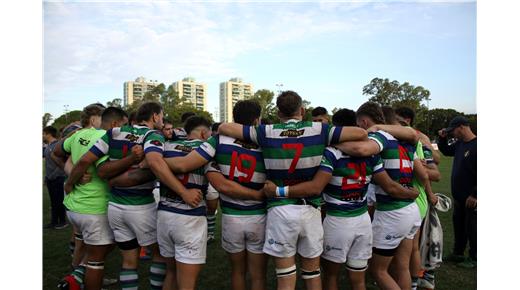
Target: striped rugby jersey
(398, 162)
(292, 153)
(241, 162)
(179, 134)
(345, 194)
(117, 144)
(171, 201)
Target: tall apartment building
(194, 92)
(135, 90)
(231, 92)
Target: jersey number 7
(299, 148)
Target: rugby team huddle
(350, 193)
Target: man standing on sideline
(463, 188)
(54, 178)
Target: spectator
(463, 188)
(54, 178)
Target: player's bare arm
(393, 188)
(305, 189)
(231, 188)
(407, 134)
(86, 178)
(353, 134)
(79, 169)
(359, 148)
(161, 170)
(110, 169)
(232, 130)
(186, 163)
(422, 175)
(132, 178)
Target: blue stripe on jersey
(303, 174)
(95, 151)
(227, 204)
(325, 168)
(346, 207)
(203, 153)
(278, 142)
(336, 134)
(199, 211)
(152, 149)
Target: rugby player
(132, 211)
(292, 153)
(396, 220)
(238, 172)
(344, 180)
(320, 114)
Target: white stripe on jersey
(243, 202)
(330, 199)
(179, 205)
(396, 163)
(313, 130)
(338, 180)
(102, 146)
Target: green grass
(216, 273)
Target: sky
(325, 51)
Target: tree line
(382, 91)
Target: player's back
(346, 193)
(292, 153)
(398, 159)
(170, 200)
(243, 163)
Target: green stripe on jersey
(394, 154)
(349, 213)
(279, 153)
(232, 211)
(131, 200)
(392, 205)
(293, 125)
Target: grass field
(215, 274)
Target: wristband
(282, 192)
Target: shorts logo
(389, 237)
(329, 248)
(270, 241)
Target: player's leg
(254, 230)
(360, 250)
(157, 268)
(330, 274)
(415, 261)
(95, 266)
(379, 264)
(285, 273)
(257, 265)
(187, 275)
(400, 266)
(386, 233)
(170, 281)
(238, 270)
(310, 246)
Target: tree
(46, 119)
(66, 119)
(392, 93)
(117, 102)
(265, 98)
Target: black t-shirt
(464, 171)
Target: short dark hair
(89, 111)
(406, 113)
(131, 118)
(288, 103)
(186, 115)
(344, 117)
(167, 121)
(146, 111)
(113, 114)
(215, 126)
(246, 111)
(373, 111)
(194, 122)
(51, 130)
(319, 111)
(389, 114)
